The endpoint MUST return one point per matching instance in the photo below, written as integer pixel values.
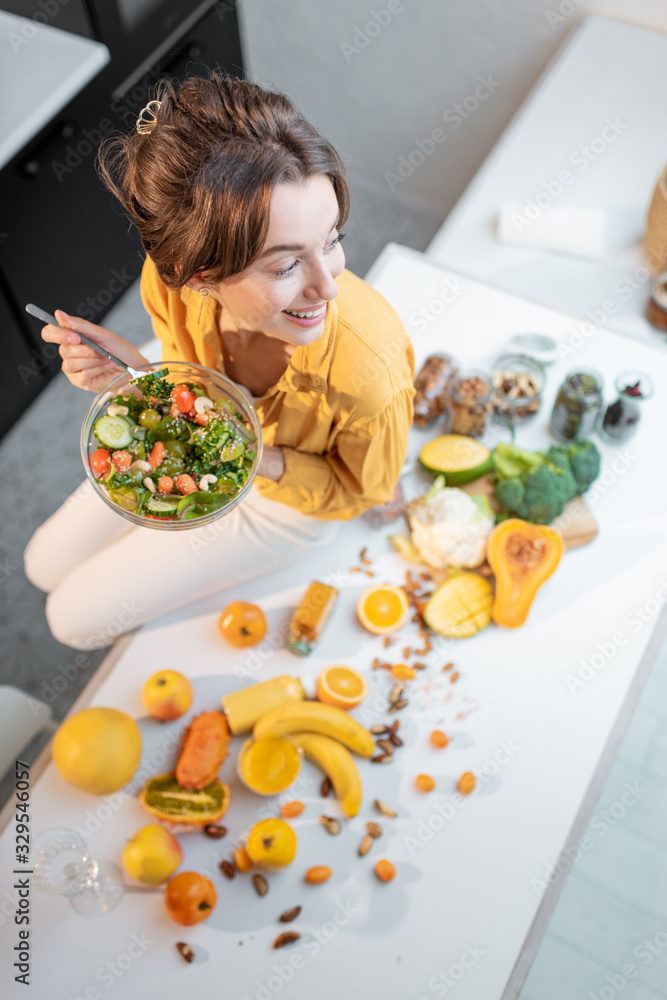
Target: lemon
(97, 750)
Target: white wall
(377, 89)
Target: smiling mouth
(306, 315)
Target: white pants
(104, 578)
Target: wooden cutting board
(576, 524)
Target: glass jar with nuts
(432, 388)
(471, 404)
(517, 387)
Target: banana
(314, 717)
(338, 764)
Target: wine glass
(63, 866)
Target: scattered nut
(330, 824)
(386, 642)
(227, 869)
(386, 745)
(186, 951)
(365, 845)
(396, 740)
(325, 788)
(260, 884)
(374, 829)
(395, 693)
(287, 937)
(378, 730)
(215, 831)
(289, 915)
(448, 666)
(395, 726)
(382, 758)
(383, 808)
(398, 705)
(419, 666)
(454, 677)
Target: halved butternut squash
(522, 556)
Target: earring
(204, 292)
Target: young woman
(239, 203)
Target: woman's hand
(272, 463)
(81, 364)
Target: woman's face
(294, 273)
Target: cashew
(141, 465)
(203, 403)
(205, 480)
(118, 411)
(150, 485)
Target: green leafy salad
(171, 452)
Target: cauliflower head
(451, 528)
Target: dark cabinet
(64, 239)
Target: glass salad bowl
(177, 452)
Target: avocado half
(459, 458)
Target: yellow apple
(167, 695)
(152, 855)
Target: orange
(341, 686)
(383, 608)
(190, 898)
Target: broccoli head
(547, 490)
(584, 462)
(534, 486)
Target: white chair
(21, 718)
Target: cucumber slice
(163, 506)
(113, 432)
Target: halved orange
(383, 608)
(341, 686)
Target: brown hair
(198, 186)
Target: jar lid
(535, 345)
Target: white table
(607, 69)
(468, 887)
(41, 70)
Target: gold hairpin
(147, 119)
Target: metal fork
(48, 318)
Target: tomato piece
(165, 484)
(185, 484)
(201, 419)
(156, 455)
(122, 460)
(174, 411)
(99, 461)
(182, 398)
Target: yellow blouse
(340, 412)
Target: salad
(171, 452)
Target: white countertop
(469, 884)
(42, 68)
(608, 70)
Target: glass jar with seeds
(577, 405)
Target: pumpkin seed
(287, 937)
(386, 745)
(330, 824)
(383, 808)
(374, 829)
(289, 915)
(215, 831)
(227, 869)
(260, 884)
(397, 706)
(365, 845)
(186, 951)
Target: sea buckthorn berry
(291, 809)
(242, 859)
(402, 672)
(384, 870)
(439, 739)
(425, 783)
(317, 874)
(467, 782)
